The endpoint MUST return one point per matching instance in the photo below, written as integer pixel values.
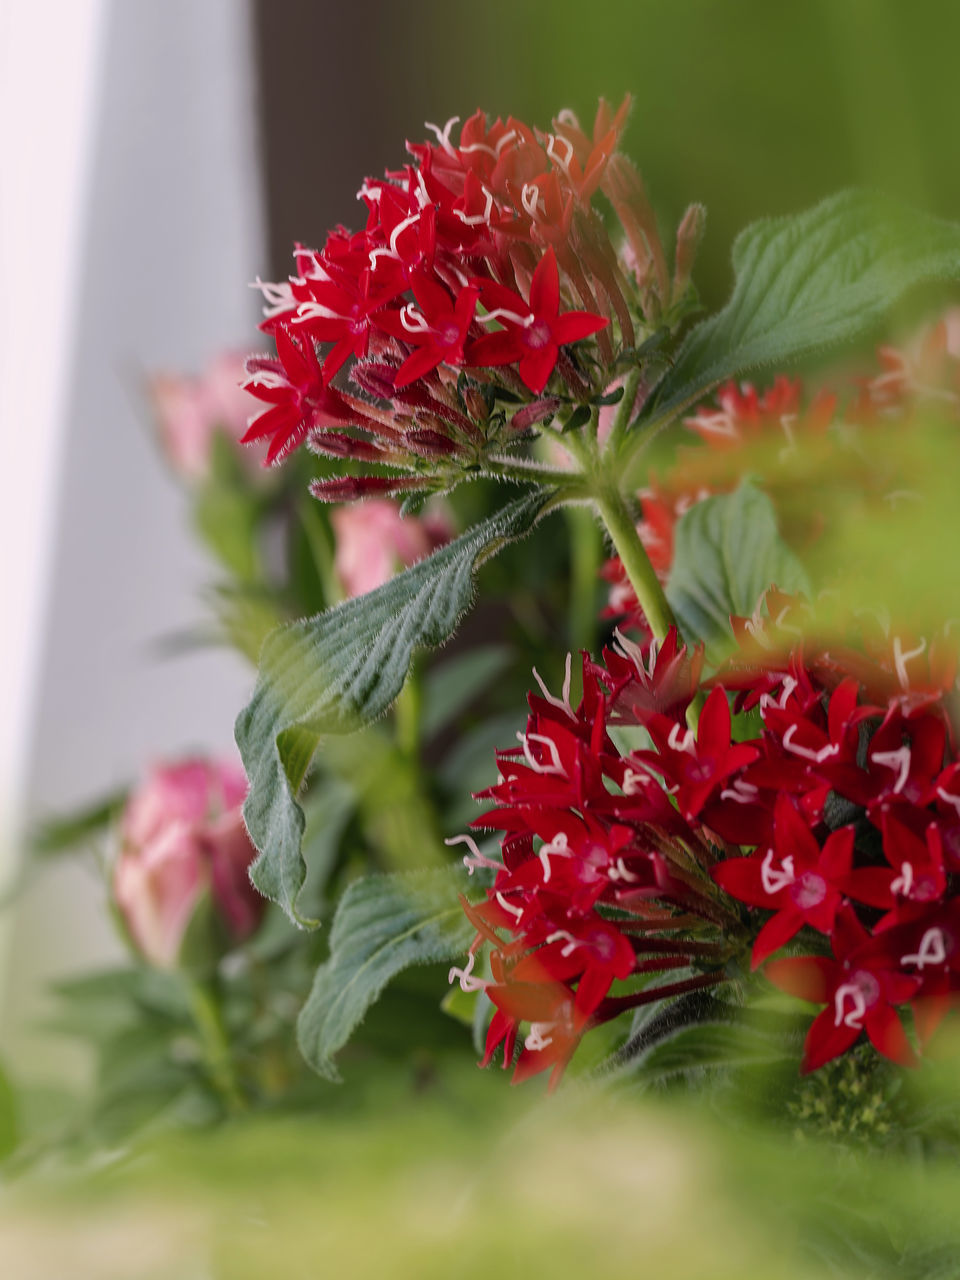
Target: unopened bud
(689, 234)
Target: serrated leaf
(336, 672)
(809, 282)
(708, 1044)
(727, 552)
(383, 925)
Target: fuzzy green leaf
(807, 283)
(727, 552)
(336, 672)
(383, 925)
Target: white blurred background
(130, 222)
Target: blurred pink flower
(374, 541)
(183, 841)
(190, 409)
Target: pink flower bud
(374, 541)
(189, 411)
(183, 842)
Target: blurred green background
(749, 106)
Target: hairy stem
(636, 563)
(208, 1020)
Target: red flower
(533, 332)
(861, 987)
(293, 386)
(801, 882)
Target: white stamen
(806, 753)
(900, 660)
(899, 759)
(932, 950)
(785, 626)
(423, 195)
(278, 297)
(567, 117)
(904, 881)
(772, 879)
(621, 872)
(561, 703)
(443, 135)
(464, 976)
(561, 161)
(413, 320)
(536, 1040)
(369, 193)
(853, 1018)
(767, 701)
(517, 912)
(572, 942)
(503, 313)
(634, 782)
(478, 219)
(947, 798)
(715, 424)
(678, 744)
(631, 650)
(555, 765)
(477, 146)
(474, 858)
(530, 198)
(559, 846)
(508, 137)
(742, 792)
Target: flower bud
(186, 856)
(189, 411)
(374, 541)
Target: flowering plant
(738, 811)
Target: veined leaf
(809, 282)
(727, 552)
(338, 671)
(383, 925)
(710, 1044)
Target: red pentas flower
(709, 844)
(533, 332)
(496, 226)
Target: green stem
(624, 413)
(636, 563)
(406, 712)
(585, 551)
(529, 472)
(208, 1020)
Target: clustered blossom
(923, 375)
(454, 321)
(835, 829)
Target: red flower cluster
(924, 374)
(837, 824)
(486, 254)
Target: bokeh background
(156, 156)
(162, 153)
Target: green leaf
(809, 282)
(709, 1044)
(451, 687)
(727, 552)
(336, 672)
(61, 835)
(383, 925)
